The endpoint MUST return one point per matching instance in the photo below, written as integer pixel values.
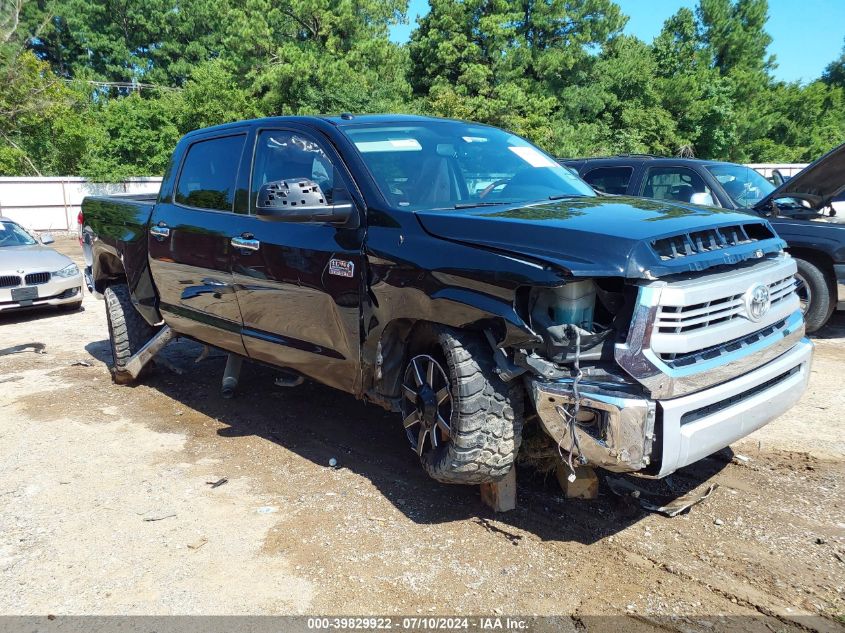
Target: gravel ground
(106, 505)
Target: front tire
(463, 421)
(128, 331)
(816, 294)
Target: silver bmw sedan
(33, 275)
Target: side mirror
(702, 198)
(47, 238)
(301, 200)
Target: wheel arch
(817, 257)
(108, 268)
(399, 337)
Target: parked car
(456, 274)
(801, 209)
(33, 275)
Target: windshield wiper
(470, 205)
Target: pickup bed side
(114, 241)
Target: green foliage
(834, 74)
(104, 88)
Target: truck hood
(610, 236)
(30, 259)
(818, 183)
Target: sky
(806, 34)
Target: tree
(105, 87)
(509, 62)
(133, 135)
(834, 74)
(693, 91)
(734, 32)
(42, 124)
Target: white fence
(785, 169)
(53, 203)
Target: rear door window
(207, 179)
(610, 179)
(675, 183)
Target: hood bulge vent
(697, 242)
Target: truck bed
(116, 226)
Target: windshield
(13, 235)
(449, 164)
(745, 186)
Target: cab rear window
(207, 179)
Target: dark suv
(799, 209)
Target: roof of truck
(341, 120)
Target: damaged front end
(663, 372)
(596, 425)
(592, 410)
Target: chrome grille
(9, 281)
(37, 278)
(714, 351)
(690, 333)
(696, 242)
(679, 319)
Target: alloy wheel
(426, 404)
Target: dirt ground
(106, 505)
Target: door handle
(246, 244)
(160, 232)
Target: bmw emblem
(757, 302)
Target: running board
(150, 349)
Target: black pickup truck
(800, 209)
(456, 274)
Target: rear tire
(128, 331)
(816, 294)
(485, 423)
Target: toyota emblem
(757, 302)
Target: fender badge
(341, 268)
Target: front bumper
(56, 292)
(632, 431)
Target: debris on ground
(80, 363)
(267, 510)
(198, 543)
(159, 518)
(664, 504)
(218, 483)
(161, 361)
(332, 462)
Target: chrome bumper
(839, 269)
(682, 430)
